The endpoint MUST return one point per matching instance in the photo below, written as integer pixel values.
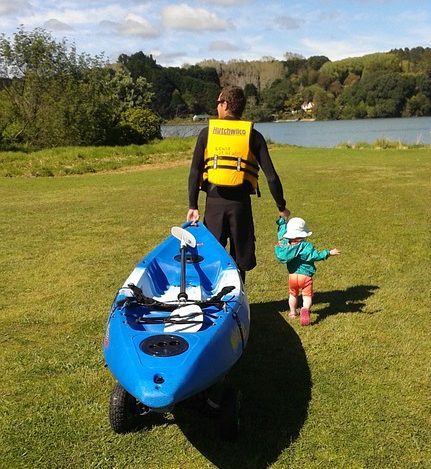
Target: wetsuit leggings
(233, 220)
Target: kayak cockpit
(160, 281)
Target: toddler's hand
(334, 252)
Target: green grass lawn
(66, 161)
(350, 391)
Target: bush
(138, 126)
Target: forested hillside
(51, 96)
(392, 84)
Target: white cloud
(252, 28)
(229, 2)
(168, 57)
(187, 18)
(74, 17)
(134, 25)
(55, 25)
(8, 7)
(223, 46)
(287, 22)
(337, 50)
(108, 26)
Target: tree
(56, 97)
(178, 105)
(131, 93)
(138, 126)
(383, 94)
(250, 91)
(316, 61)
(423, 84)
(172, 85)
(325, 108)
(292, 55)
(43, 83)
(418, 105)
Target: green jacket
(299, 258)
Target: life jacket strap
(216, 158)
(223, 166)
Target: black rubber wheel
(124, 411)
(230, 414)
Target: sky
(176, 33)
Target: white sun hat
(297, 228)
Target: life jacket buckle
(215, 157)
(238, 164)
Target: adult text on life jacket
(228, 159)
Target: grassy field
(66, 161)
(350, 391)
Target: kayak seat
(154, 281)
(150, 279)
(208, 277)
(228, 278)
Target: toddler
(299, 255)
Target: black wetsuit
(228, 213)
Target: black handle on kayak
(182, 295)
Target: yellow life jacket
(228, 159)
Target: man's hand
(193, 215)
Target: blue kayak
(178, 324)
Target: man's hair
(235, 98)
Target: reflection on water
(416, 130)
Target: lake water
(415, 130)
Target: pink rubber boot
(304, 316)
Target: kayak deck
(154, 333)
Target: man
(225, 164)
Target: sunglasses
(220, 101)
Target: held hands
(334, 252)
(285, 213)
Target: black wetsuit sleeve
(196, 168)
(259, 149)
